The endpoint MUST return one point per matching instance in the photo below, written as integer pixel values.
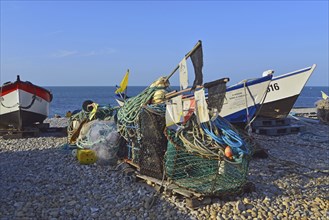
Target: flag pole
(186, 56)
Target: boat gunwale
(14, 86)
(294, 72)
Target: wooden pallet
(193, 199)
(305, 112)
(32, 131)
(15, 134)
(279, 130)
(267, 122)
(275, 127)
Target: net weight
(273, 87)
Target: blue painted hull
(242, 116)
(237, 109)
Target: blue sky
(74, 43)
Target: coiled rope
(223, 134)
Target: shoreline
(42, 180)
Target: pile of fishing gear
(181, 138)
(93, 132)
(90, 111)
(207, 155)
(322, 107)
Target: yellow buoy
(159, 96)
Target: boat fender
(159, 96)
(228, 152)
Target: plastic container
(86, 156)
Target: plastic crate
(86, 156)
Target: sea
(71, 98)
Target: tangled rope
(128, 115)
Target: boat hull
(242, 101)
(22, 104)
(277, 109)
(20, 119)
(283, 92)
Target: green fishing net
(209, 176)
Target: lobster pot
(213, 177)
(133, 151)
(153, 143)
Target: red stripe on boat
(27, 87)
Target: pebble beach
(40, 179)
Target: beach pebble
(40, 179)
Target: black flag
(216, 93)
(197, 60)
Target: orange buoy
(228, 152)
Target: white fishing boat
(283, 92)
(23, 104)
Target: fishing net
(199, 163)
(102, 137)
(77, 120)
